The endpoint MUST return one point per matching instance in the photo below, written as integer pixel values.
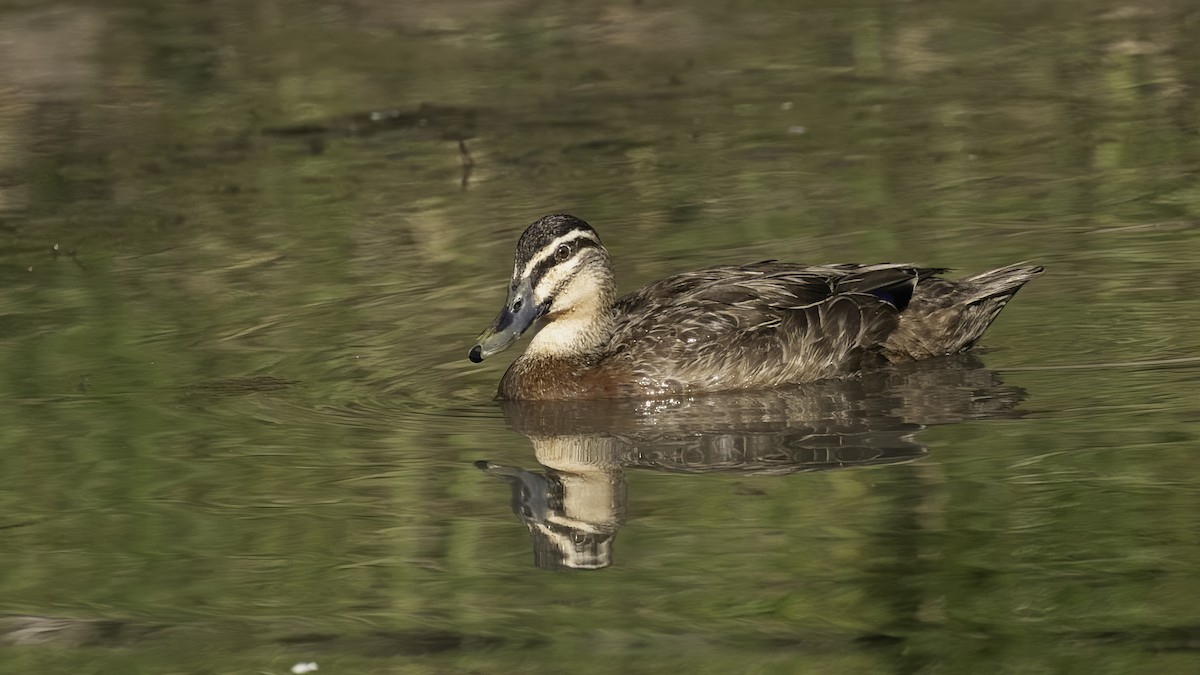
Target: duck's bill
(518, 314)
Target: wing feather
(759, 325)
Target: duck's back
(759, 325)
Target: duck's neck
(580, 321)
(579, 334)
(560, 358)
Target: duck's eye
(517, 305)
(562, 253)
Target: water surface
(246, 246)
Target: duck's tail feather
(1000, 284)
(947, 317)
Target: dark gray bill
(518, 314)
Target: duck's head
(562, 281)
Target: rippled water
(246, 247)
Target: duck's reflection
(575, 507)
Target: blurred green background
(245, 246)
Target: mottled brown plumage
(723, 328)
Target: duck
(725, 328)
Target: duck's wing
(759, 325)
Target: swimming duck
(723, 328)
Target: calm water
(246, 247)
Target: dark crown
(545, 230)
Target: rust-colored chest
(547, 378)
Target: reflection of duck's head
(575, 509)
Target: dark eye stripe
(545, 264)
(526, 262)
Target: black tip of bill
(476, 354)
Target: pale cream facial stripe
(548, 249)
(578, 310)
(554, 277)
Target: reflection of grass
(1139, 364)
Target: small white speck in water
(302, 667)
